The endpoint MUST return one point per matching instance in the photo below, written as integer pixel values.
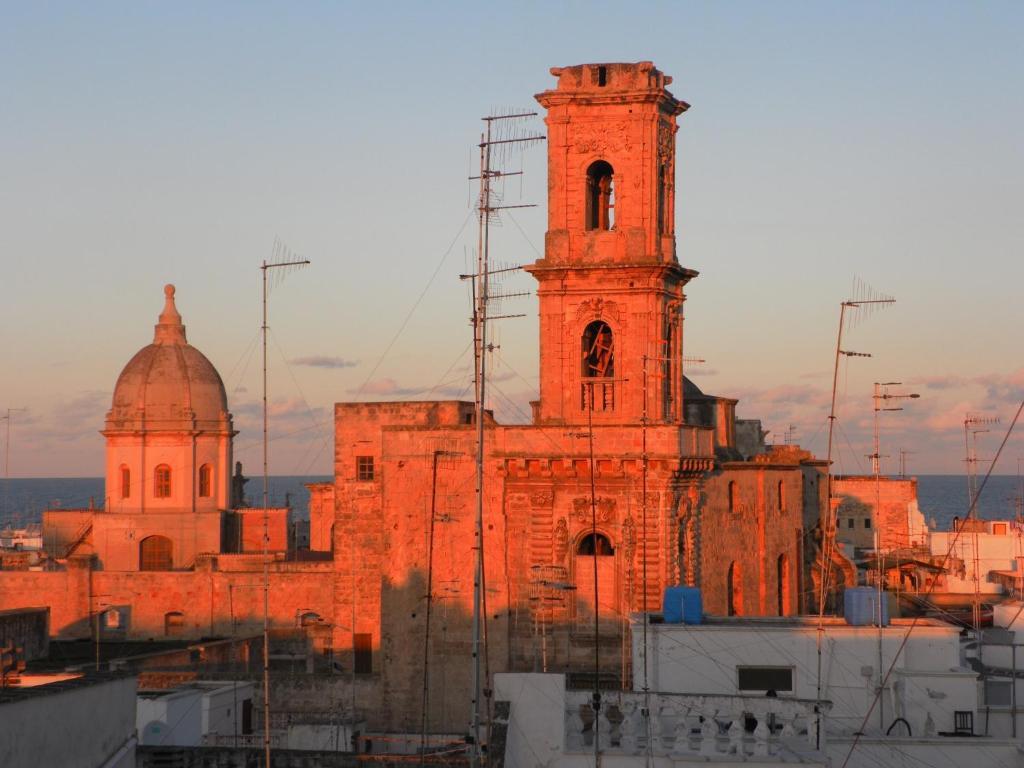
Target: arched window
(734, 497)
(111, 619)
(782, 576)
(595, 544)
(126, 482)
(155, 554)
(162, 482)
(598, 351)
(600, 196)
(781, 495)
(734, 590)
(174, 623)
(205, 475)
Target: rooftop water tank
(682, 605)
(860, 607)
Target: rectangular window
(997, 693)
(999, 529)
(362, 647)
(867, 522)
(364, 468)
(849, 523)
(126, 483)
(765, 678)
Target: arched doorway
(595, 556)
(156, 554)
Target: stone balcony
(694, 726)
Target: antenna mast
(871, 301)
(971, 421)
(7, 452)
(279, 251)
(498, 135)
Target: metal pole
(426, 630)
(1013, 684)
(596, 705)
(480, 332)
(266, 544)
(645, 713)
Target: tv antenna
(284, 262)
(9, 418)
(903, 461)
(865, 301)
(502, 134)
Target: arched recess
(162, 481)
(205, 481)
(734, 590)
(600, 207)
(595, 544)
(126, 482)
(156, 553)
(174, 623)
(783, 585)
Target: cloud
(386, 387)
(939, 382)
(324, 361)
(1003, 387)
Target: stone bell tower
(611, 290)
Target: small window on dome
(205, 475)
(162, 482)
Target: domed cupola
(169, 442)
(169, 385)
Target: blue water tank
(682, 605)
(860, 607)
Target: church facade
(627, 480)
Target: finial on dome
(169, 329)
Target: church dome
(169, 384)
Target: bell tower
(610, 287)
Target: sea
(22, 500)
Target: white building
(188, 715)
(996, 547)
(71, 720)
(745, 690)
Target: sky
(147, 143)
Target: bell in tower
(610, 287)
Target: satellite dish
(154, 732)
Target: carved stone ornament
(542, 498)
(602, 138)
(629, 537)
(583, 513)
(561, 539)
(666, 140)
(598, 307)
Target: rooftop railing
(703, 726)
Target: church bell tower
(610, 287)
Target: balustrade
(682, 725)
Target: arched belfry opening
(600, 208)
(598, 351)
